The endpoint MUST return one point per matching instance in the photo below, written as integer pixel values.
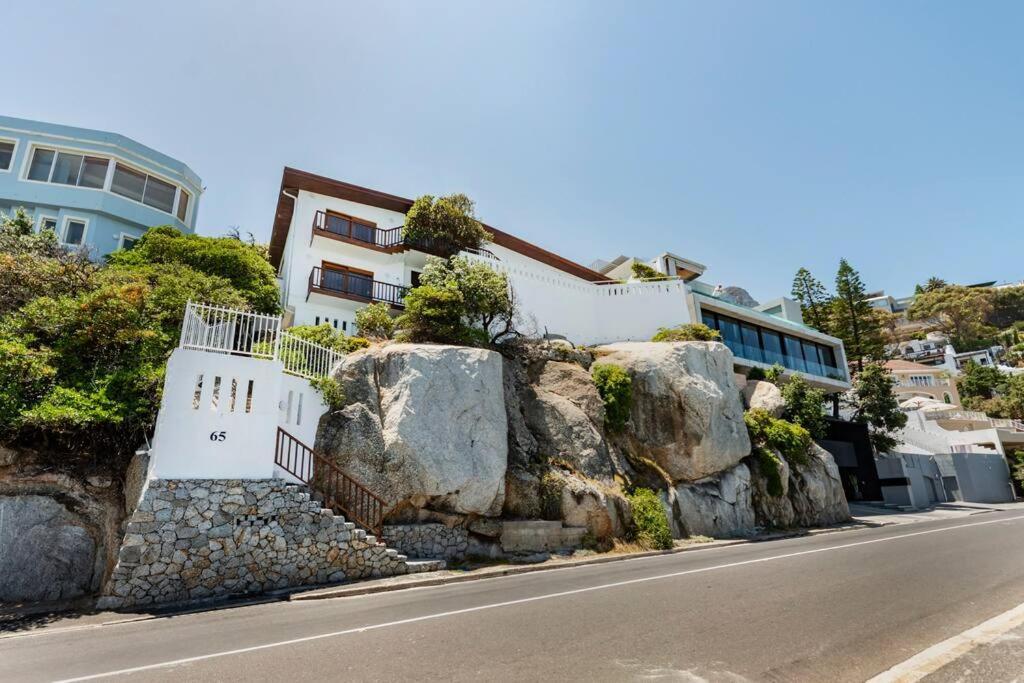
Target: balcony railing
(757, 354)
(387, 239)
(355, 286)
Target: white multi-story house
(338, 246)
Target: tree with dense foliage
(853, 319)
(959, 312)
(616, 389)
(979, 381)
(805, 406)
(686, 332)
(815, 301)
(328, 337)
(83, 347)
(933, 284)
(447, 224)
(375, 321)
(1007, 307)
(242, 264)
(459, 301)
(874, 403)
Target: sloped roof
(906, 365)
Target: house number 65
(218, 436)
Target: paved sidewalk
(872, 513)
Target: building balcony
(388, 240)
(346, 284)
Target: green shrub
(327, 336)
(791, 440)
(650, 523)
(756, 375)
(551, 485)
(25, 377)
(616, 389)
(375, 321)
(805, 406)
(331, 391)
(774, 373)
(687, 332)
(643, 271)
(771, 468)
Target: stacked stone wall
(197, 539)
(428, 540)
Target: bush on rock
(616, 389)
(649, 520)
(687, 332)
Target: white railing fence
(216, 329)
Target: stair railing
(340, 492)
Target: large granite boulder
(46, 551)
(686, 414)
(764, 395)
(565, 414)
(816, 491)
(771, 510)
(715, 506)
(425, 426)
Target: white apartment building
(338, 247)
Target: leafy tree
(933, 284)
(874, 403)
(1007, 307)
(687, 332)
(242, 264)
(32, 264)
(853, 319)
(979, 381)
(805, 406)
(815, 301)
(19, 225)
(642, 271)
(791, 440)
(459, 301)
(448, 224)
(958, 311)
(375, 321)
(327, 336)
(616, 389)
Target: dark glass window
(811, 358)
(772, 347)
(794, 355)
(828, 357)
(67, 168)
(751, 343)
(159, 195)
(42, 160)
(128, 183)
(6, 155)
(94, 172)
(74, 233)
(730, 330)
(708, 319)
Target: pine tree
(815, 301)
(853, 319)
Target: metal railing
(351, 284)
(340, 492)
(242, 333)
(228, 330)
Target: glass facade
(756, 343)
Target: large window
(6, 155)
(143, 188)
(67, 168)
(81, 170)
(756, 343)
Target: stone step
(371, 539)
(419, 565)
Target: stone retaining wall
(194, 539)
(435, 541)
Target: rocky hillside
(461, 435)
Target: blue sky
(755, 137)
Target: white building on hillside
(339, 246)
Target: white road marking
(937, 656)
(521, 601)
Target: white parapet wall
(220, 413)
(584, 312)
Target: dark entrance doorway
(849, 444)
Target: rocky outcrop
(686, 414)
(812, 493)
(58, 534)
(716, 506)
(764, 395)
(425, 426)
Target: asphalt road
(831, 607)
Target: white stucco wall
(214, 437)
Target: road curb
(361, 589)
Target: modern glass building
(95, 189)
